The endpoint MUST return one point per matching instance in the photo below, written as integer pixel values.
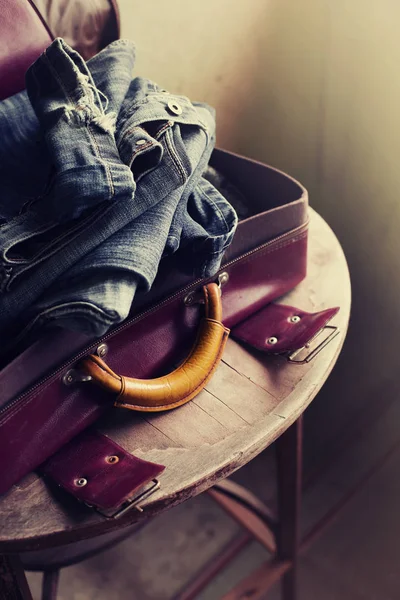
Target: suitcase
(59, 386)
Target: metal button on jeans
(175, 108)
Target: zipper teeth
(291, 233)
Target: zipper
(182, 292)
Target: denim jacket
(100, 177)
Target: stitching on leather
(267, 251)
(274, 249)
(98, 364)
(10, 413)
(123, 388)
(198, 388)
(207, 300)
(123, 379)
(84, 352)
(192, 351)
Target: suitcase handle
(180, 386)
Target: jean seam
(104, 162)
(163, 129)
(174, 157)
(76, 306)
(218, 210)
(90, 133)
(77, 231)
(59, 80)
(20, 240)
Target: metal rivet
(294, 319)
(175, 108)
(112, 459)
(102, 350)
(81, 482)
(141, 142)
(272, 340)
(223, 278)
(68, 378)
(189, 299)
(72, 376)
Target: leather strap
(99, 472)
(180, 386)
(280, 329)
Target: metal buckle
(313, 353)
(131, 502)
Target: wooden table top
(250, 401)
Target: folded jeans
(84, 272)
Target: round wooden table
(251, 401)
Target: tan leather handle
(170, 391)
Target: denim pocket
(154, 125)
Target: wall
(209, 51)
(331, 93)
(313, 87)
